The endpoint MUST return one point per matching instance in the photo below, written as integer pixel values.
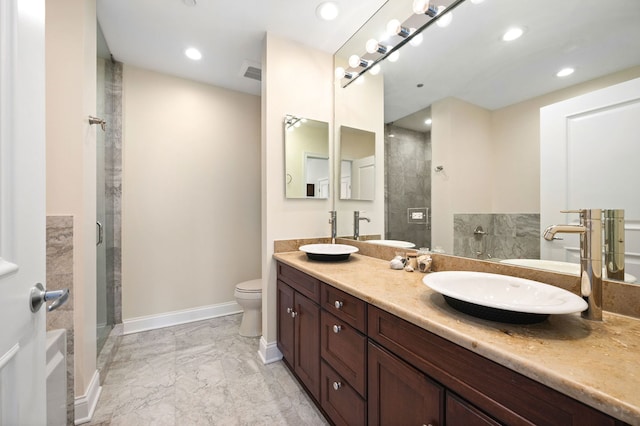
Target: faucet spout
(551, 231)
(590, 230)
(356, 224)
(333, 220)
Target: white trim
(85, 405)
(269, 352)
(168, 319)
(7, 268)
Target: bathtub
(57, 377)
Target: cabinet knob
(337, 328)
(289, 310)
(337, 385)
(338, 304)
(293, 314)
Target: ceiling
(153, 34)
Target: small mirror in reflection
(306, 157)
(357, 164)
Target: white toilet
(249, 295)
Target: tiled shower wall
(407, 164)
(113, 186)
(59, 276)
(507, 235)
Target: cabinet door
(285, 322)
(307, 343)
(401, 395)
(460, 412)
(339, 400)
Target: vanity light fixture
(513, 34)
(356, 61)
(342, 73)
(193, 54)
(565, 72)
(394, 27)
(373, 46)
(375, 70)
(417, 39)
(327, 11)
(395, 55)
(425, 7)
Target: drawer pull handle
(337, 328)
(338, 304)
(337, 385)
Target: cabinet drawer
(339, 400)
(348, 308)
(345, 349)
(459, 412)
(299, 281)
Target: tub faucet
(334, 225)
(590, 230)
(356, 224)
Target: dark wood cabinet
(298, 330)
(460, 413)
(401, 395)
(363, 365)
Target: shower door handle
(100, 233)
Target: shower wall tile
(507, 235)
(407, 183)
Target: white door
(590, 158)
(363, 178)
(22, 211)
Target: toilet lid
(252, 286)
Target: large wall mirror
(307, 157)
(357, 164)
(462, 122)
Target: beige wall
(297, 80)
(190, 193)
(71, 158)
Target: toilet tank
(57, 377)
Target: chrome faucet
(356, 224)
(590, 230)
(334, 225)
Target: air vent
(251, 70)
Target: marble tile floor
(201, 373)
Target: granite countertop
(597, 363)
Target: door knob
(39, 295)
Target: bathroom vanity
(373, 345)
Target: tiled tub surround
(59, 276)
(592, 362)
(507, 235)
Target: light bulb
(356, 61)
(394, 56)
(297, 124)
(428, 122)
(372, 45)
(422, 7)
(340, 72)
(445, 19)
(393, 27)
(417, 39)
(375, 70)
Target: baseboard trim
(168, 319)
(269, 352)
(85, 405)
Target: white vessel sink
(503, 298)
(393, 243)
(328, 252)
(557, 266)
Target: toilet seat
(251, 286)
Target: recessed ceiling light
(193, 53)
(327, 10)
(189, 2)
(565, 72)
(512, 34)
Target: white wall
(297, 80)
(190, 193)
(71, 158)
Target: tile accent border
(168, 319)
